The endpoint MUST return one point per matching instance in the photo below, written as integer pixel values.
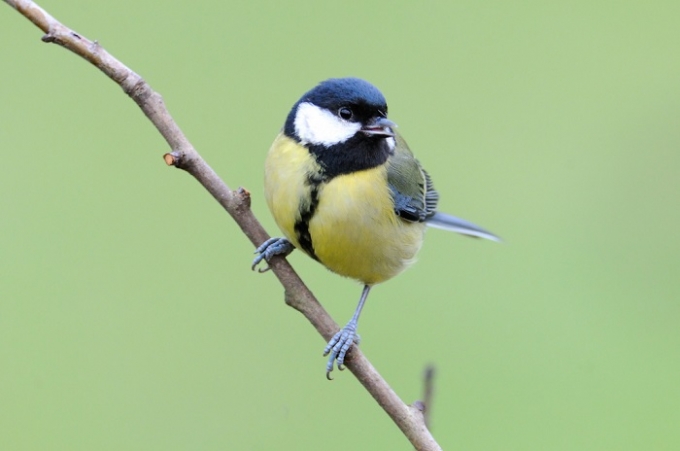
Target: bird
(344, 188)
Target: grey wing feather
(431, 196)
(458, 225)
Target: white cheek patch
(318, 126)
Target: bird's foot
(338, 347)
(270, 248)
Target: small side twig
(428, 393)
(237, 203)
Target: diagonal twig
(237, 203)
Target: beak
(380, 126)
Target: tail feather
(453, 224)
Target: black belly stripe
(307, 210)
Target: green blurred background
(130, 319)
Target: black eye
(345, 113)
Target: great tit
(345, 189)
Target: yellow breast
(356, 232)
(354, 229)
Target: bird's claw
(338, 346)
(269, 249)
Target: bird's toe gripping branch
(271, 248)
(338, 346)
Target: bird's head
(338, 111)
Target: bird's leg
(270, 248)
(341, 342)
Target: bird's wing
(415, 198)
(412, 191)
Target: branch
(237, 203)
